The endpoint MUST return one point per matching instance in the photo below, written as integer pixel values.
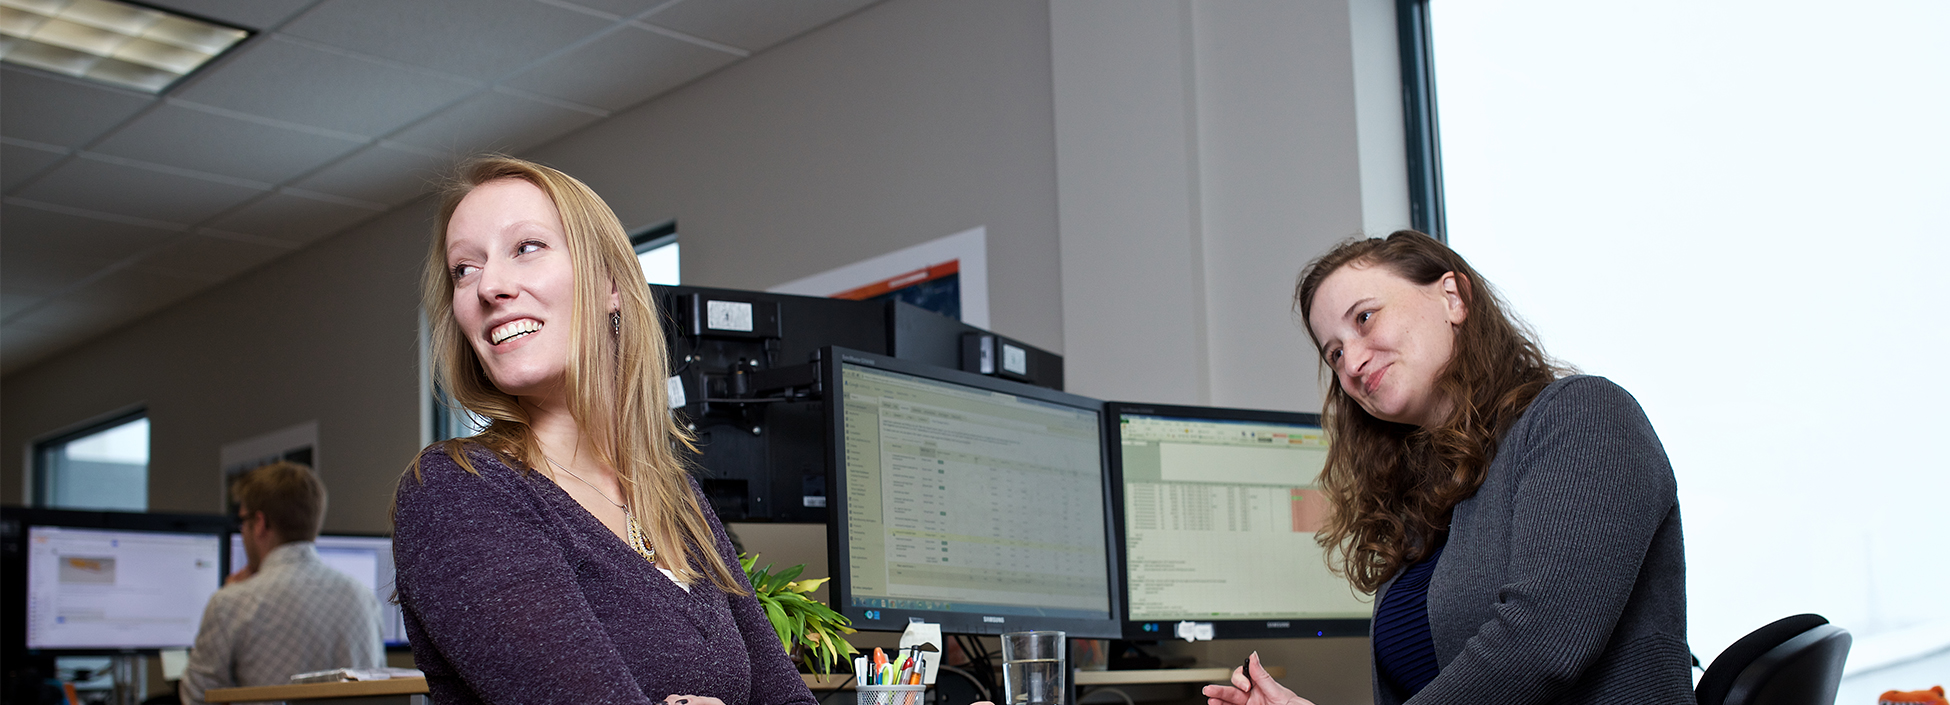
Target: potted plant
(805, 627)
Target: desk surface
(1094, 678)
(408, 686)
(311, 691)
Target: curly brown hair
(1392, 486)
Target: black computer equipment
(742, 363)
(1217, 509)
(81, 583)
(973, 502)
(368, 558)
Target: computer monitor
(108, 582)
(972, 502)
(1218, 509)
(368, 559)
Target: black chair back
(1794, 661)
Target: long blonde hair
(615, 381)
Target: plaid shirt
(295, 615)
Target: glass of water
(1034, 671)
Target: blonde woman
(563, 554)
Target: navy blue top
(1404, 651)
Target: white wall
(1205, 152)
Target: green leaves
(799, 619)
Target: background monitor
(108, 582)
(973, 502)
(1218, 509)
(368, 559)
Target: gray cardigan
(1564, 580)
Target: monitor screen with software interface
(1219, 511)
(972, 502)
(368, 559)
(106, 589)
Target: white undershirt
(673, 578)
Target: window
(1735, 210)
(102, 466)
(656, 250)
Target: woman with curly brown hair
(1518, 525)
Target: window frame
(40, 489)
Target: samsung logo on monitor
(992, 620)
(1278, 625)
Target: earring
(615, 322)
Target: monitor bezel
(1114, 412)
(832, 359)
(13, 595)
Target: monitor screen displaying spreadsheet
(976, 503)
(1219, 509)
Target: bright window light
(1736, 210)
(659, 264)
(107, 41)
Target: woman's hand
(692, 700)
(1252, 685)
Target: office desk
(394, 691)
(412, 691)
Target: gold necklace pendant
(636, 541)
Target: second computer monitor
(1219, 509)
(368, 559)
(975, 503)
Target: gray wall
(1194, 154)
(328, 334)
(906, 122)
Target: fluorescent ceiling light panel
(113, 42)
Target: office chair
(1794, 661)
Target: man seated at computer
(287, 612)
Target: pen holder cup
(892, 694)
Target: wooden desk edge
(1095, 678)
(1164, 675)
(304, 691)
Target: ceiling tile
(753, 25)
(481, 39)
(19, 163)
(293, 219)
(44, 251)
(194, 139)
(286, 81)
(22, 346)
(134, 290)
(39, 107)
(210, 259)
(49, 272)
(621, 70)
(620, 8)
(126, 190)
(494, 122)
(61, 323)
(379, 174)
(13, 300)
(256, 14)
